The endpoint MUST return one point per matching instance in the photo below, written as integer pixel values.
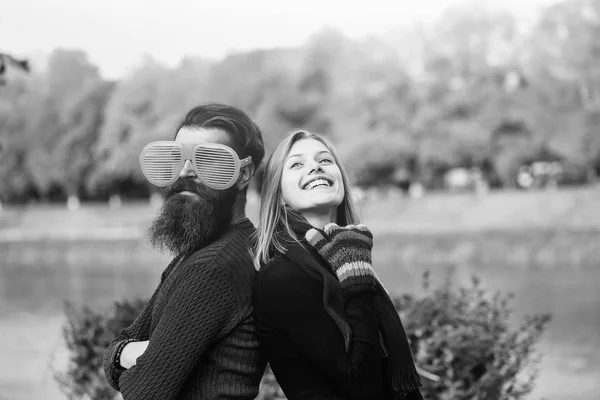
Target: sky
(117, 34)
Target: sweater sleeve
(200, 310)
(293, 302)
(137, 331)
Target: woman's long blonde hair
(274, 229)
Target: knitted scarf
(402, 376)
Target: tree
(16, 182)
(144, 107)
(564, 63)
(264, 84)
(9, 61)
(566, 44)
(63, 84)
(81, 126)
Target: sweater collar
(241, 222)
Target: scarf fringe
(404, 382)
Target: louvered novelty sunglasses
(216, 165)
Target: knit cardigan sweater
(202, 339)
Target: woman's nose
(188, 170)
(314, 166)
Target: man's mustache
(184, 184)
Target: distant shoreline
(574, 209)
(97, 233)
(132, 233)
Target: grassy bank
(575, 209)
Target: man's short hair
(245, 134)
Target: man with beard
(195, 339)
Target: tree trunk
(73, 202)
(156, 200)
(115, 201)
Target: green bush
(87, 333)
(466, 338)
(463, 336)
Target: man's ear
(246, 174)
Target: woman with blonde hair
(326, 324)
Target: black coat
(309, 352)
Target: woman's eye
(326, 161)
(296, 164)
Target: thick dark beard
(187, 222)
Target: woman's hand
(131, 352)
(348, 251)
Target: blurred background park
(471, 130)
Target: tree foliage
(478, 89)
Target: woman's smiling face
(311, 180)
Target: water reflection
(38, 277)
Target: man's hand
(131, 352)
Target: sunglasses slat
(215, 169)
(216, 166)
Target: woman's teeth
(316, 183)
